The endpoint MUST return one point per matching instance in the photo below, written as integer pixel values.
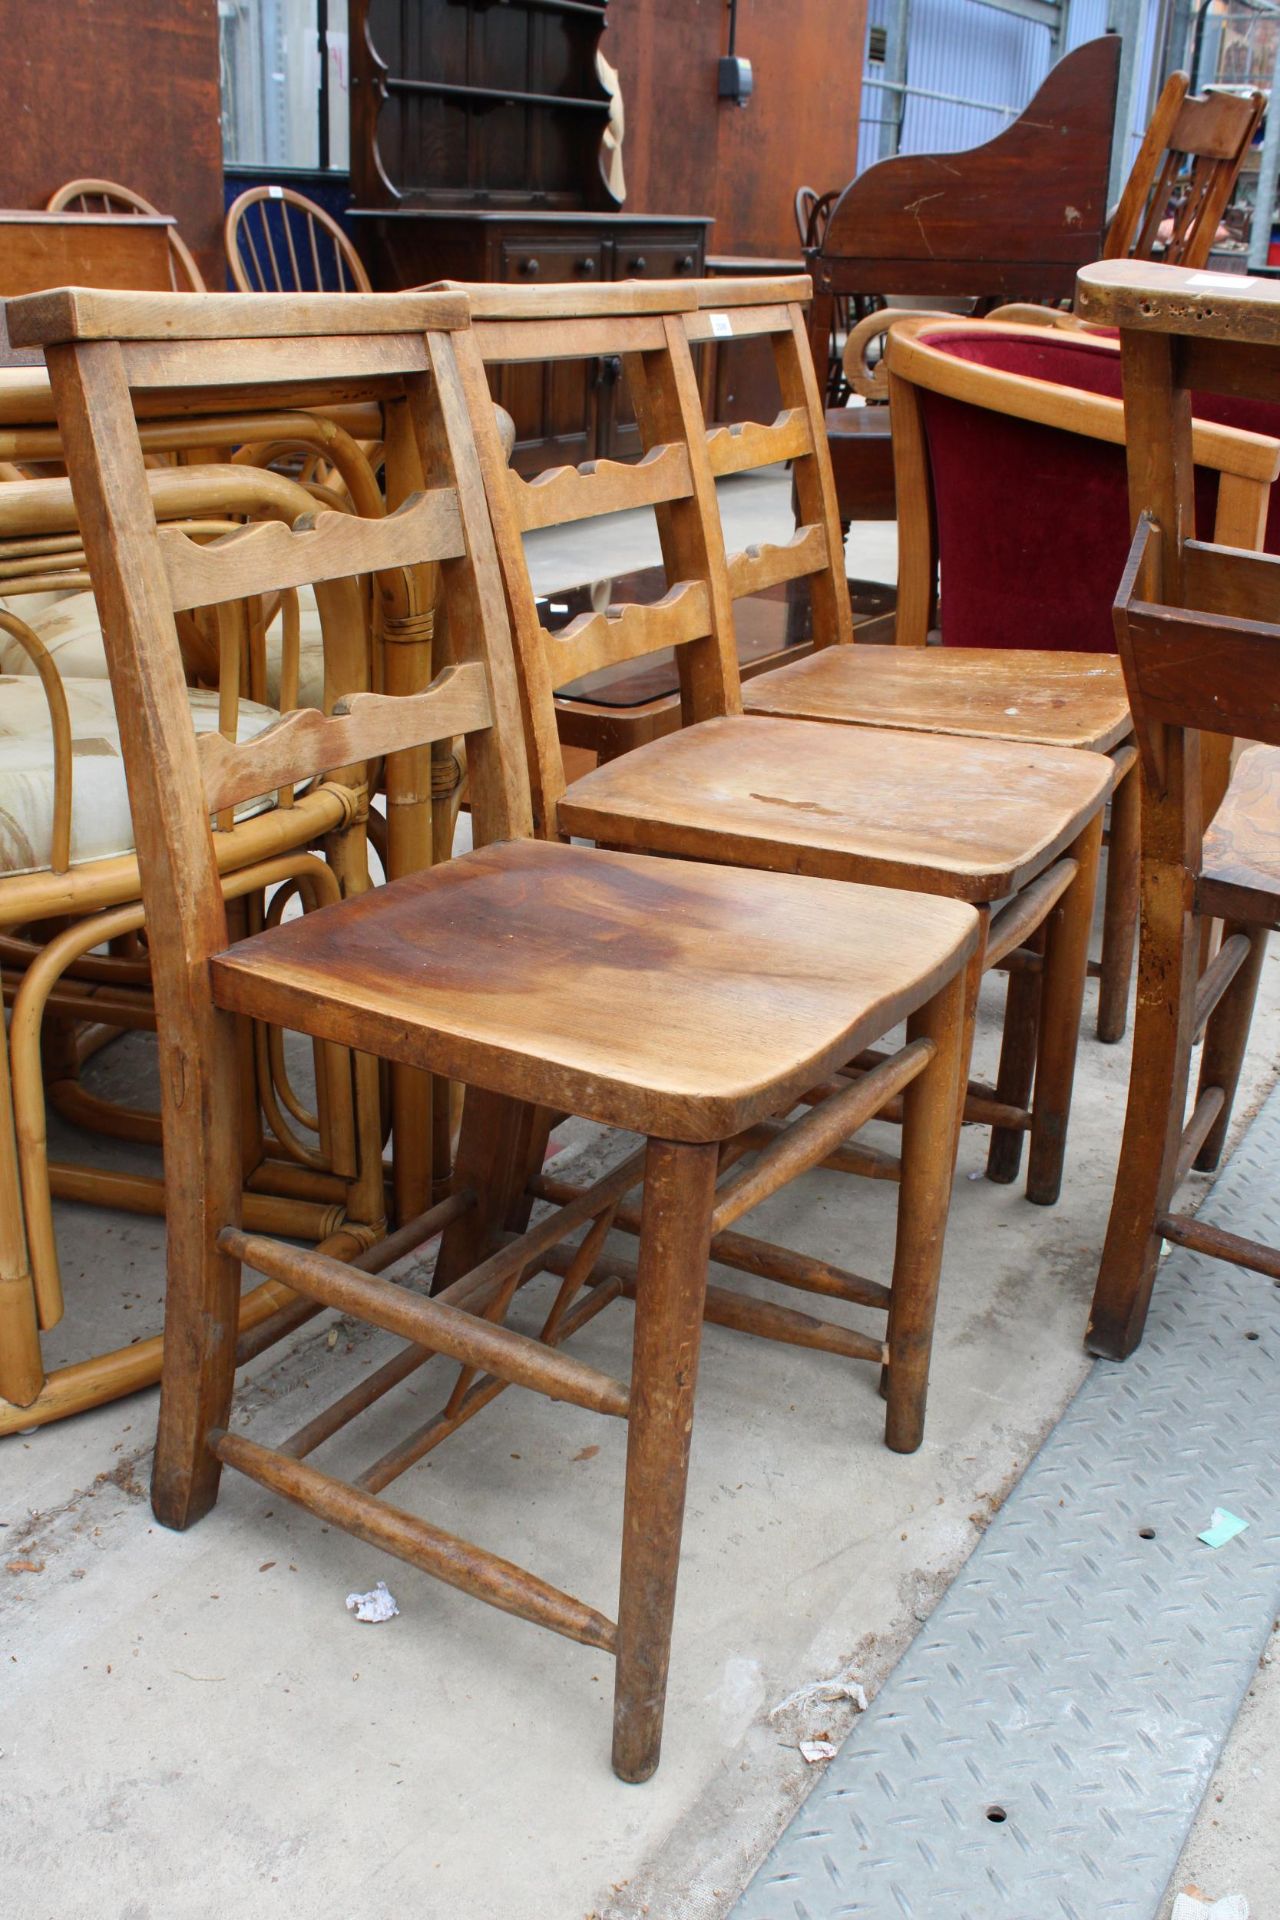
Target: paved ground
(194, 1726)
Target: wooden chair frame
(653, 329)
(78, 196)
(101, 351)
(1197, 627)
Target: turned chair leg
(1016, 1073)
(1120, 908)
(930, 1137)
(1066, 960)
(1226, 1038)
(202, 1095)
(1168, 969)
(675, 1234)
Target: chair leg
(1120, 908)
(493, 1162)
(21, 1368)
(201, 1082)
(1225, 1040)
(1168, 968)
(930, 1137)
(1066, 962)
(675, 1233)
(1016, 1072)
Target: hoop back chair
(1198, 626)
(278, 241)
(638, 994)
(763, 791)
(107, 196)
(69, 887)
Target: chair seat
(975, 818)
(1241, 874)
(1058, 699)
(660, 996)
(101, 825)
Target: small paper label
(722, 326)
(275, 193)
(1234, 282)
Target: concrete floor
(194, 1726)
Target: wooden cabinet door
(556, 408)
(640, 256)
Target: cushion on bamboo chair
(72, 632)
(100, 822)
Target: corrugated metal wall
(971, 69)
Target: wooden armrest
(871, 382)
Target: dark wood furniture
(475, 156)
(640, 994)
(1198, 632)
(1010, 220)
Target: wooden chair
(640, 994)
(278, 241)
(107, 196)
(75, 971)
(1008, 443)
(978, 820)
(1197, 628)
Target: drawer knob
(529, 268)
(685, 263)
(639, 264)
(586, 266)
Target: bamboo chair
(73, 890)
(975, 819)
(302, 249)
(1197, 628)
(107, 196)
(1010, 473)
(639, 994)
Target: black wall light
(737, 82)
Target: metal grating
(1077, 1677)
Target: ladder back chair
(638, 994)
(973, 819)
(1182, 179)
(278, 241)
(1198, 626)
(108, 196)
(69, 888)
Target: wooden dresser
(475, 155)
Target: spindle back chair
(1198, 627)
(278, 241)
(769, 791)
(635, 993)
(108, 196)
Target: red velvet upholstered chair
(1009, 448)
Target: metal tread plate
(1078, 1677)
